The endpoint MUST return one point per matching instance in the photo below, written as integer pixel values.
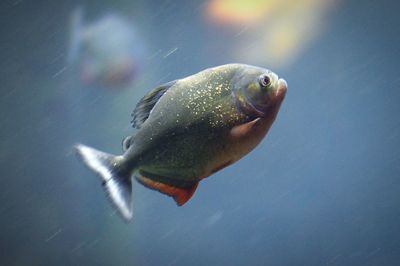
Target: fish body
(189, 129)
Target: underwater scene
(215, 132)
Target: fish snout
(281, 89)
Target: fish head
(257, 90)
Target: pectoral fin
(244, 130)
(180, 194)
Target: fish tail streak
(115, 179)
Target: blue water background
(322, 189)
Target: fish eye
(264, 80)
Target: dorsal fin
(180, 194)
(147, 103)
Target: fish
(187, 130)
(109, 51)
(278, 29)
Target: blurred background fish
(272, 32)
(109, 51)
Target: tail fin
(116, 179)
(75, 37)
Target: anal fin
(180, 194)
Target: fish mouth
(281, 89)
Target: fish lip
(281, 88)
